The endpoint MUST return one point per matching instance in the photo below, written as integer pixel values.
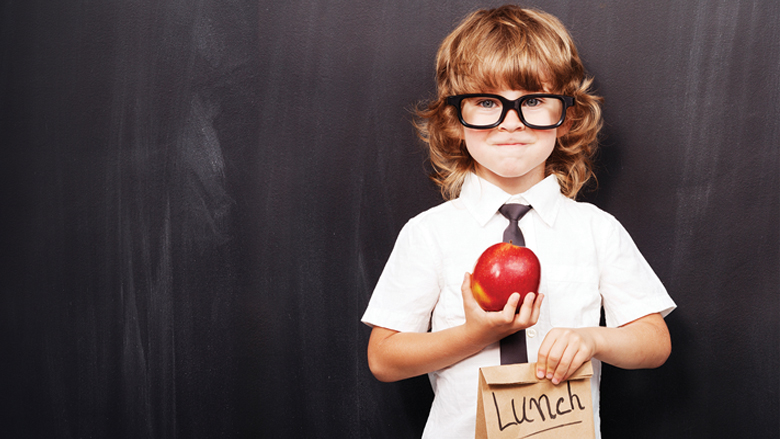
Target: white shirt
(587, 259)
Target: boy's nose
(512, 121)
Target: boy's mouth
(511, 143)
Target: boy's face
(511, 155)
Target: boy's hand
(490, 327)
(640, 344)
(563, 351)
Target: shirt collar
(482, 198)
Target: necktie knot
(514, 211)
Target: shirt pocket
(573, 295)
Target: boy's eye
(488, 104)
(532, 102)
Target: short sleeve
(408, 288)
(629, 287)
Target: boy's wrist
(473, 337)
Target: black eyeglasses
(538, 111)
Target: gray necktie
(513, 348)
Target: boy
(514, 122)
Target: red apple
(501, 270)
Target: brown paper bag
(513, 403)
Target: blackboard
(198, 197)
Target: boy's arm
(394, 355)
(641, 344)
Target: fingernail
(540, 374)
(550, 376)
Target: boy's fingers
(541, 359)
(572, 361)
(537, 308)
(541, 366)
(527, 308)
(530, 310)
(550, 354)
(580, 359)
(564, 367)
(510, 309)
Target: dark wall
(198, 197)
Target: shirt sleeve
(408, 288)
(629, 287)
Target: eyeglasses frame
(507, 105)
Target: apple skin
(501, 270)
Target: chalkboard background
(198, 197)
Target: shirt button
(530, 332)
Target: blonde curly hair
(516, 49)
